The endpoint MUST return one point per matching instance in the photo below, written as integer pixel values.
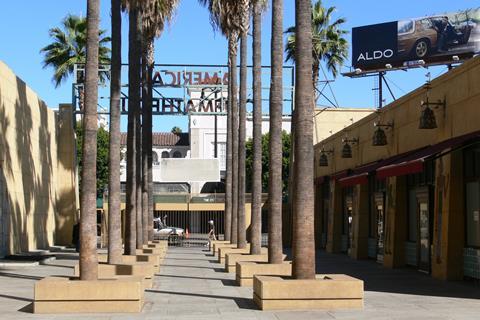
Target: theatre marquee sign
(204, 92)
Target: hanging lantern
(323, 160)
(427, 119)
(347, 151)
(379, 137)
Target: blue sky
(191, 40)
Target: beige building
(38, 198)
(328, 121)
(414, 199)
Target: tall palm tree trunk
(88, 213)
(133, 102)
(303, 205)
(242, 236)
(228, 175)
(275, 247)
(148, 131)
(256, 229)
(138, 163)
(114, 217)
(138, 130)
(145, 107)
(234, 232)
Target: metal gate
(196, 223)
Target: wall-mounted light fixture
(379, 136)
(347, 148)
(427, 117)
(323, 159)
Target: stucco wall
(29, 166)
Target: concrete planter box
(64, 295)
(146, 258)
(213, 242)
(158, 251)
(247, 269)
(217, 246)
(224, 250)
(231, 259)
(160, 246)
(140, 270)
(328, 291)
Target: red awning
(414, 163)
(400, 169)
(354, 180)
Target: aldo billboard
(433, 39)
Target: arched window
(165, 155)
(177, 154)
(154, 157)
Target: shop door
(424, 237)
(380, 213)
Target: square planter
(112, 271)
(149, 258)
(246, 270)
(224, 250)
(217, 246)
(328, 291)
(65, 295)
(212, 243)
(231, 259)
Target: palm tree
(244, 8)
(303, 203)
(275, 248)
(328, 43)
(133, 114)
(114, 217)
(224, 16)
(156, 13)
(256, 229)
(88, 214)
(69, 48)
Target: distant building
(165, 145)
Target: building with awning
(402, 185)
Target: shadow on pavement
(242, 303)
(401, 280)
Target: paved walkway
(193, 286)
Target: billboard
(433, 39)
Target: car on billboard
(419, 38)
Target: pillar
(395, 222)
(360, 217)
(449, 218)
(334, 240)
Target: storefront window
(472, 196)
(473, 213)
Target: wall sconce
(347, 148)
(427, 117)
(323, 159)
(379, 136)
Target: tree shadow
(189, 277)
(6, 296)
(19, 276)
(402, 280)
(242, 303)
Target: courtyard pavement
(191, 285)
